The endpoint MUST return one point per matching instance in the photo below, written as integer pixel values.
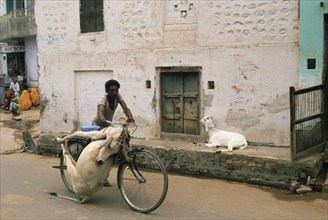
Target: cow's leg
(68, 137)
(80, 200)
(67, 155)
(94, 135)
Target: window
(91, 16)
(311, 64)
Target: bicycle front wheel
(143, 182)
(75, 149)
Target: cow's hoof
(100, 162)
(107, 184)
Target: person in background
(14, 104)
(8, 96)
(25, 101)
(20, 79)
(14, 86)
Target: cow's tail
(66, 197)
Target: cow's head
(112, 143)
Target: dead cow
(89, 173)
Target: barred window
(91, 16)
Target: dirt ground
(14, 126)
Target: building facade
(18, 47)
(177, 61)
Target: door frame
(325, 69)
(185, 69)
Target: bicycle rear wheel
(144, 182)
(75, 148)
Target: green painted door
(180, 102)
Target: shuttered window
(91, 16)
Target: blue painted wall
(312, 40)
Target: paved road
(26, 180)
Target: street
(27, 179)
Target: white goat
(218, 138)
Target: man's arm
(101, 113)
(127, 111)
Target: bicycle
(141, 177)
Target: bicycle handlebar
(120, 123)
(124, 124)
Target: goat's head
(207, 122)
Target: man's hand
(129, 120)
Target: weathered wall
(31, 66)
(312, 41)
(248, 48)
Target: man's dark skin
(112, 92)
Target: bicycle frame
(125, 155)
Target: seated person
(14, 104)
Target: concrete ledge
(268, 166)
(236, 167)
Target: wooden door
(325, 72)
(180, 102)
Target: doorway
(325, 70)
(180, 102)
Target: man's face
(113, 91)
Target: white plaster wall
(86, 87)
(31, 53)
(248, 48)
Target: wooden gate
(180, 102)
(307, 120)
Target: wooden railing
(307, 120)
(22, 12)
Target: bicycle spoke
(144, 185)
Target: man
(14, 105)
(108, 103)
(14, 86)
(20, 79)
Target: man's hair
(111, 82)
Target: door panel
(180, 102)
(325, 70)
(172, 108)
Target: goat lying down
(89, 173)
(221, 138)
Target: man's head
(112, 87)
